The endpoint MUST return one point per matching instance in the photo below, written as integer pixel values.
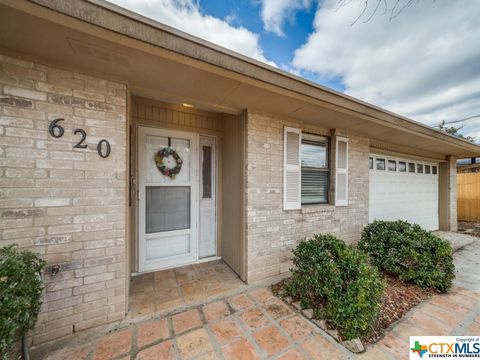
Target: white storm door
(207, 245)
(168, 207)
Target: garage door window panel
(380, 164)
(419, 168)
(434, 170)
(411, 167)
(402, 166)
(392, 165)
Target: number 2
(80, 144)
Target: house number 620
(57, 131)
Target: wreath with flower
(164, 163)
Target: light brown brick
(21, 233)
(90, 323)
(56, 89)
(15, 60)
(80, 290)
(52, 202)
(64, 229)
(26, 93)
(54, 334)
(63, 284)
(98, 278)
(27, 133)
(66, 204)
(24, 72)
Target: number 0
(101, 152)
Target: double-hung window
(306, 169)
(314, 169)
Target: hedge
(410, 252)
(339, 282)
(20, 294)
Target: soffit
(158, 74)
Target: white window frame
(343, 202)
(327, 169)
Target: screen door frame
(144, 263)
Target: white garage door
(403, 189)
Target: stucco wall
(66, 204)
(272, 232)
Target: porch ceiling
(157, 73)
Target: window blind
(314, 172)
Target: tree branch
(361, 14)
(374, 11)
(398, 7)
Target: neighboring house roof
(164, 63)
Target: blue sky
(246, 13)
(421, 62)
(277, 49)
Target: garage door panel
(396, 195)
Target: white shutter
(291, 168)
(341, 188)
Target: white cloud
(424, 64)
(187, 16)
(275, 12)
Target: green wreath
(164, 169)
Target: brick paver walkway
(257, 325)
(252, 325)
(185, 286)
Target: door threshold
(207, 259)
(199, 261)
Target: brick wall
(64, 203)
(272, 232)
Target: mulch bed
(469, 228)
(398, 298)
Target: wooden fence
(468, 196)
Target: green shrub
(411, 253)
(338, 281)
(20, 294)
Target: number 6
(53, 125)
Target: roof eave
(219, 57)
